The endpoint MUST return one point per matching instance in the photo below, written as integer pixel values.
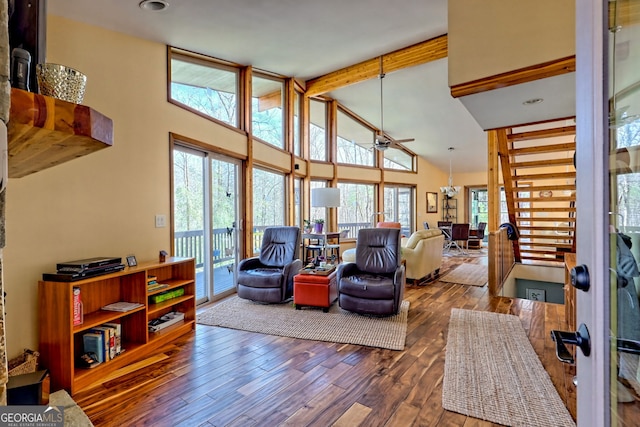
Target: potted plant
(307, 225)
(319, 224)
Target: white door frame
(592, 198)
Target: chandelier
(450, 190)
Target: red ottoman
(315, 290)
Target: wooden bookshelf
(61, 342)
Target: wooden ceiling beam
(417, 54)
(515, 77)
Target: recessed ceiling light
(533, 101)
(153, 5)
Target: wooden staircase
(539, 183)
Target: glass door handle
(578, 338)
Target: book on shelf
(93, 343)
(156, 286)
(106, 341)
(122, 306)
(77, 307)
(117, 345)
(167, 295)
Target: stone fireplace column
(5, 104)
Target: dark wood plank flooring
(225, 377)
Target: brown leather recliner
(269, 277)
(374, 283)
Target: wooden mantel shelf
(45, 132)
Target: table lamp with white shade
(325, 197)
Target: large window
(399, 160)
(355, 141)
(297, 202)
(317, 213)
(208, 87)
(357, 206)
(479, 206)
(268, 203)
(267, 111)
(297, 123)
(318, 130)
(399, 206)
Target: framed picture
(131, 261)
(536, 294)
(432, 202)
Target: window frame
(283, 110)
(174, 52)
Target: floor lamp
(325, 197)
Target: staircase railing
(501, 260)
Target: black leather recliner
(374, 283)
(269, 277)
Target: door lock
(578, 338)
(580, 277)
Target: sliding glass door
(205, 218)
(399, 206)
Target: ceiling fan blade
(405, 140)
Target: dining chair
(459, 236)
(445, 226)
(476, 236)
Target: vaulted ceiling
(307, 39)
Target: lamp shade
(326, 197)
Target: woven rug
(491, 372)
(309, 323)
(74, 416)
(468, 274)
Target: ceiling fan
(383, 141)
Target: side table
(315, 290)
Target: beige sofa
(422, 252)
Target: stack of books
(105, 341)
(153, 285)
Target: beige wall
(491, 37)
(104, 204)
(467, 179)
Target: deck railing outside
(191, 243)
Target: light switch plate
(161, 221)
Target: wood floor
(219, 377)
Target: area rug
(74, 416)
(471, 253)
(311, 324)
(493, 373)
(468, 274)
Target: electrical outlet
(161, 221)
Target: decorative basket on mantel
(26, 363)
(61, 82)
